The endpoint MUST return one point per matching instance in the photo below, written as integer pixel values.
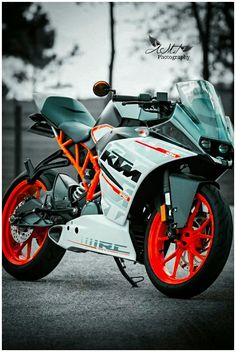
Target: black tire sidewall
(219, 252)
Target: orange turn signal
(163, 212)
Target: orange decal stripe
(116, 190)
(94, 129)
(101, 249)
(82, 244)
(160, 150)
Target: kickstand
(121, 265)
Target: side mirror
(101, 88)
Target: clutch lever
(132, 102)
(145, 102)
(147, 106)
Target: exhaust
(55, 233)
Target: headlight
(206, 144)
(223, 148)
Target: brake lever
(146, 102)
(131, 102)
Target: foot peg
(121, 265)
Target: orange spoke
(171, 256)
(19, 250)
(17, 247)
(177, 260)
(194, 213)
(191, 266)
(204, 225)
(29, 245)
(203, 235)
(39, 240)
(196, 254)
(200, 235)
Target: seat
(70, 116)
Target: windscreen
(205, 110)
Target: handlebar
(124, 98)
(129, 98)
(158, 104)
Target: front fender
(182, 191)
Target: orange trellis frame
(76, 163)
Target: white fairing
(97, 233)
(99, 131)
(140, 154)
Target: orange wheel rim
(179, 261)
(15, 252)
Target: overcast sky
(87, 25)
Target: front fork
(179, 193)
(167, 209)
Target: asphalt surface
(85, 303)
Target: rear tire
(47, 256)
(212, 248)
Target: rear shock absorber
(79, 192)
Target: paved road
(86, 304)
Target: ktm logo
(121, 164)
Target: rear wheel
(28, 253)
(189, 265)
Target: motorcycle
(146, 190)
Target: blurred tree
(59, 63)
(222, 44)
(27, 35)
(5, 90)
(215, 23)
(211, 23)
(112, 42)
(216, 35)
(204, 30)
(112, 36)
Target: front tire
(190, 264)
(37, 256)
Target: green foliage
(222, 40)
(209, 24)
(214, 23)
(27, 33)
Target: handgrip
(127, 98)
(124, 98)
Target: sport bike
(146, 189)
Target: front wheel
(28, 253)
(188, 265)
